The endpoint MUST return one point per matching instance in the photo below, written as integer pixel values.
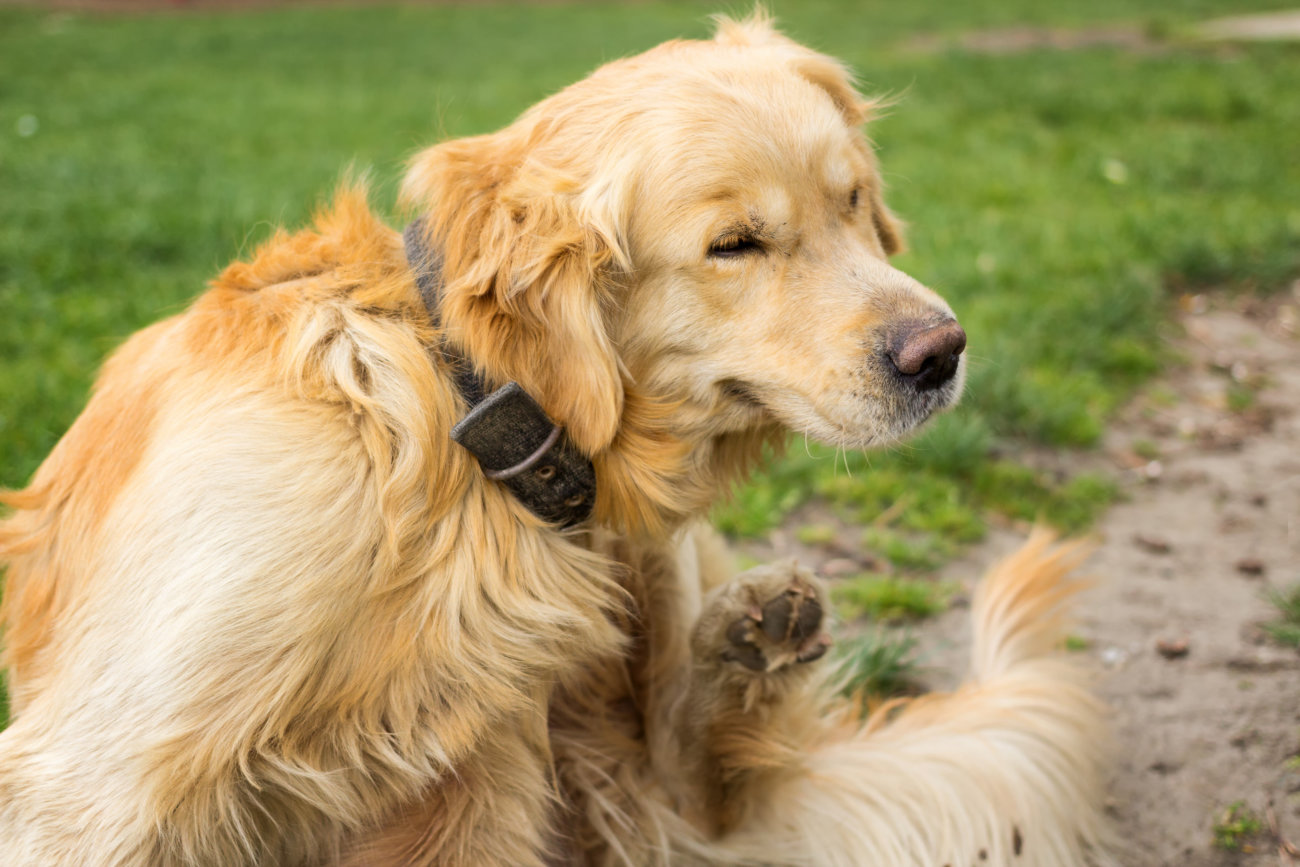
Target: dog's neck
(652, 478)
(505, 429)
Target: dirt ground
(1209, 461)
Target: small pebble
(1152, 544)
(1113, 657)
(1250, 566)
(1172, 648)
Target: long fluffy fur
(260, 610)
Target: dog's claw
(814, 651)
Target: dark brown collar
(516, 444)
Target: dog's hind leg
(1005, 771)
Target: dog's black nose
(926, 355)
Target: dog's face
(761, 287)
(704, 224)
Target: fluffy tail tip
(1019, 608)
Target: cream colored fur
(261, 610)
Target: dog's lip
(741, 392)
(920, 407)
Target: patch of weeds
(1286, 629)
(892, 491)
(1076, 643)
(957, 521)
(886, 598)
(815, 534)
(953, 444)
(1025, 493)
(1236, 825)
(1077, 505)
(1146, 449)
(1162, 396)
(1048, 405)
(1240, 397)
(758, 507)
(909, 551)
(878, 666)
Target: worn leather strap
(509, 433)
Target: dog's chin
(875, 423)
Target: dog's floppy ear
(888, 227)
(527, 276)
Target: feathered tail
(1007, 770)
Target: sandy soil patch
(1276, 26)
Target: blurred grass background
(1057, 198)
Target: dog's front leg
(493, 811)
(742, 720)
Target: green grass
(1055, 198)
(878, 665)
(887, 598)
(1286, 628)
(1235, 826)
(937, 491)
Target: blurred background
(1078, 178)
(1068, 170)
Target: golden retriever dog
(292, 592)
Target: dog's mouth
(738, 392)
(890, 410)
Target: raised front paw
(766, 619)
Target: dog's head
(699, 229)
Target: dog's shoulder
(317, 282)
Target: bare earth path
(1189, 559)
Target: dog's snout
(927, 354)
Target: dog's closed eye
(733, 246)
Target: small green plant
(1286, 629)
(1235, 826)
(1162, 396)
(1025, 493)
(1076, 643)
(815, 534)
(886, 597)
(909, 551)
(878, 666)
(1146, 449)
(1240, 397)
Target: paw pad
(786, 629)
